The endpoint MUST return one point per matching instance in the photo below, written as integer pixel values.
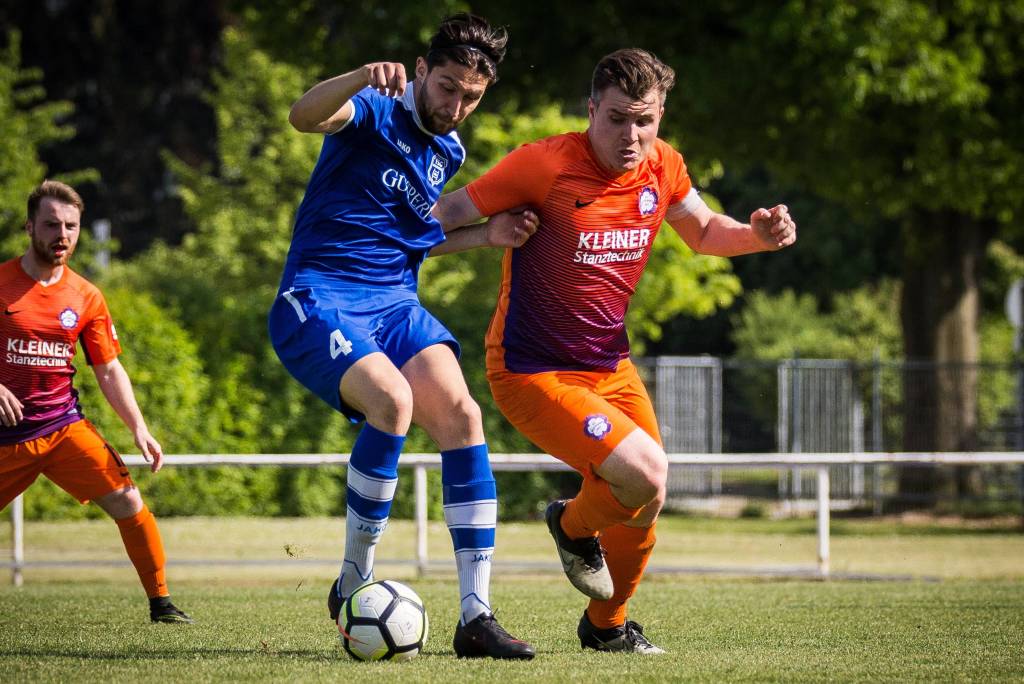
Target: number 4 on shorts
(339, 345)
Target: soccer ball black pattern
(383, 620)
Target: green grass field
(269, 623)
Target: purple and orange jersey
(39, 328)
(564, 294)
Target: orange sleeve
(676, 175)
(523, 177)
(98, 337)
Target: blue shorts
(318, 333)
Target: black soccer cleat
(582, 559)
(335, 600)
(485, 638)
(162, 610)
(628, 638)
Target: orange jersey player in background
(557, 349)
(47, 310)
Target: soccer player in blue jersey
(348, 324)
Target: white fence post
(18, 540)
(823, 521)
(420, 486)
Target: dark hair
(57, 190)
(469, 40)
(634, 71)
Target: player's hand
(387, 78)
(511, 228)
(774, 227)
(10, 408)
(150, 448)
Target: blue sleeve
(370, 109)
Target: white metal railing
(544, 462)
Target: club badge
(437, 169)
(68, 318)
(596, 426)
(648, 201)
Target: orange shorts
(75, 457)
(577, 416)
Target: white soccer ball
(383, 620)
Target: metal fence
(711, 405)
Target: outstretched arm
(708, 232)
(117, 388)
(455, 210)
(326, 107)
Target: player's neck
(43, 273)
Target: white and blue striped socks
(371, 482)
(471, 512)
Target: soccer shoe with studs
(162, 610)
(582, 559)
(485, 638)
(629, 638)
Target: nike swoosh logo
(9, 312)
(580, 205)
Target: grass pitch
(269, 623)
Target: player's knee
(651, 478)
(123, 503)
(391, 409)
(466, 413)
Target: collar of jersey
(408, 100)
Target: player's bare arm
(10, 408)
(117, 388)
(326, 107)
(510, 228)
(708, 232)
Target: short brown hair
(634, 71)
(58, 191)
(471, 41)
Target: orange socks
(629, 549)
(146, 550)
(594, 509)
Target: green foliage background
(912, 106)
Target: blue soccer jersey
(365, 219)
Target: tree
(28, 123)
(903, 107)
(134, 73)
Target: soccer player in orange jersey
(557, 351)
(47, 309)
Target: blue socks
(372, 479)
(471, 512)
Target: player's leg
(375, 388)
(444, 408)
(327, 341)
(20, 465)
(84, 465)
(604, 625)
(563, 413)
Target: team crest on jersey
(437, 169)
(596, 426)
(648, 202)
(68, 318)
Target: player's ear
(421, 68)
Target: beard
(431, 119)
(47, 252)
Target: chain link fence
(711, 405)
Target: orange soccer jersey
(564, 294)
(39, 328)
